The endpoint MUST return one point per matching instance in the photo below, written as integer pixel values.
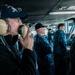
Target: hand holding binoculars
(22, 30)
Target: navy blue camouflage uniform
(50, 39)
(44, 59)
(60, 50)
(72, 53)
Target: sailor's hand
(28, 41)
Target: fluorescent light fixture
(71, 8)
(62, 12)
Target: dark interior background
(39, 10)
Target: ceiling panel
(39, 10)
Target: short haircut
(61, 24)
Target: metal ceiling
(39, 10)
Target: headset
(3, 27)
(22, 30)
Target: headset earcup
(3, 27)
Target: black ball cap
(8, 11)
(39, 25)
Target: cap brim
(22, 15)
